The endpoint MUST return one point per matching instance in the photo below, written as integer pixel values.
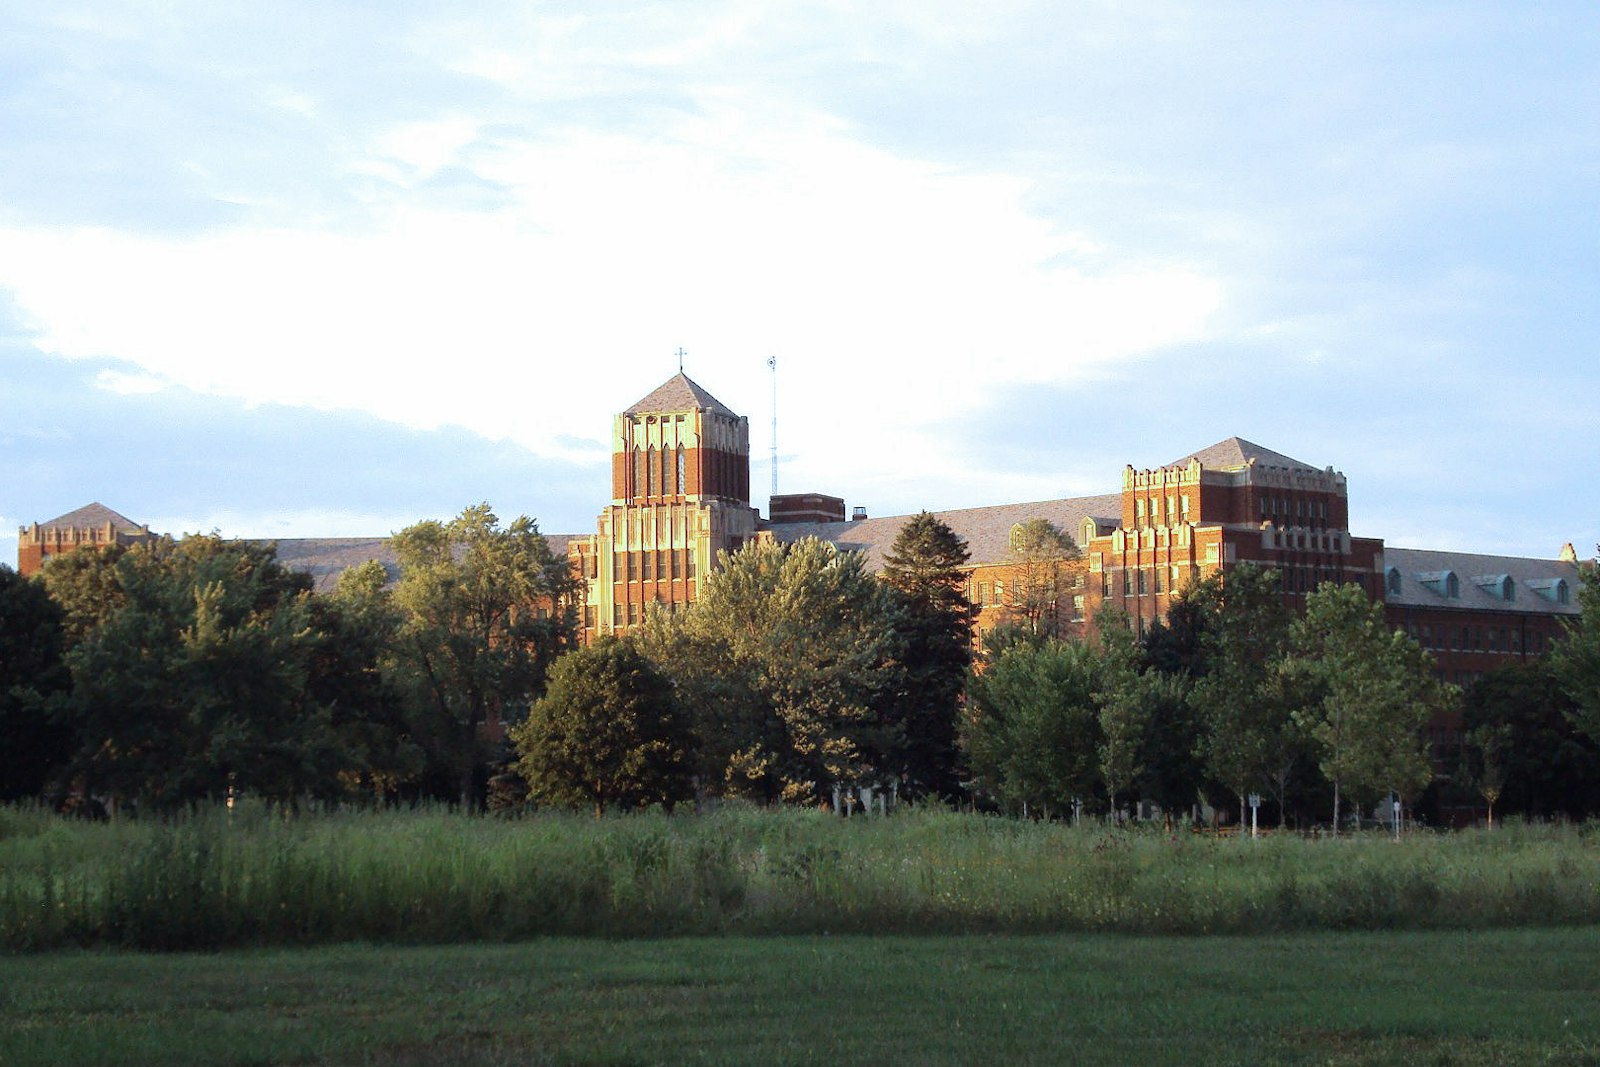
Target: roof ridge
(678, 393)
(92, 514)
(1233, 453)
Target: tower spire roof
(1235, 453)
(678, 393)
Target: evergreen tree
(925, 566)
(1576, 657)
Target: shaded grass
(217, 879)
(1525, 996)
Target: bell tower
(680, 494)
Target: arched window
(652, 472)
(1452, 586)
(683, 486)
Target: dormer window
(1499, 586)
(1550, 588)
(1443, 583)
(1392, 581)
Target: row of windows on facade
(660, 473)
(1145, 581)
(1278, 507)
(631, 614)
(1162, 512)
(994, 595)
(660, 565)
(1151, 581)
(986, 593)
(1473, 638)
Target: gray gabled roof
(1417, 564)
(987, 531)
(1236, 453)
(678, 393)
(326, 558)
(96, 515)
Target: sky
(329, 268)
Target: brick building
(680, 494)
(91, 526)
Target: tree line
(190, 671)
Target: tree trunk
(1336, 807)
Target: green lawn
(1506, 996)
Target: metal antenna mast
(772, 365)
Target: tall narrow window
(682, 485)
(652, 472)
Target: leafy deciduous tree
(33, 679)
(809, 643)
(1032, 726)
(1240, 698)
(1523, 744)
(486, 609)
(607, 732)
(1379, 691)
(1039, 554)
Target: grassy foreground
(1526, 996)
(247, 878)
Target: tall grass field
(249, 877)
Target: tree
(1176, 648)
(1378, 692)
(1240, 698)
(485, 611)
(808, 644)
(354, 674)
(1576, 657)
(33, 680)
(924, 566)
(1125, 698)
(1522, 741)
(1039, 554)
(1032, 726)
(607, 732)
(189, 668)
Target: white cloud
(128, 384)
(740, 233)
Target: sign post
(1255, 804)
